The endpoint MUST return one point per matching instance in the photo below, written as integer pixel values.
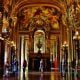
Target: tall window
(39, 39)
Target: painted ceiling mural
(38, 17)
(42, 16)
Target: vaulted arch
(20, 5)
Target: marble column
(22, 51)
(70, 44)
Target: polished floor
(54, 75)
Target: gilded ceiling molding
(24, 4)
(34, 5)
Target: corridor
(40, 35)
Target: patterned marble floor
(43, 76)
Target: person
(63, 67)
(15, 66)
(7, 69)
(41, 65)
(24, 65)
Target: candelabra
(65, 48)
(76, 39)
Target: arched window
(39, 41)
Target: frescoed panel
(39, 16)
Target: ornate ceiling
(34, 12)
(18, 5)
(40, 16)
(39, 9)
